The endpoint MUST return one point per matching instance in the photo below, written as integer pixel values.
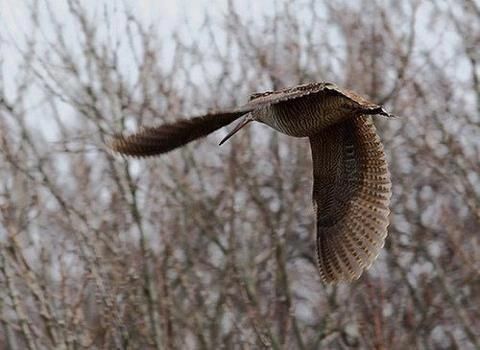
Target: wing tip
(113, 144)
(125, 147)
(350, 247)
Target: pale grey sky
(15, 23)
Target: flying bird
(351, 182)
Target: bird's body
(351, 189)
(301, 118)
(306, 116)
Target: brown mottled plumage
(351, 182)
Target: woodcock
(351, 181)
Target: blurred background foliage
(210, 247)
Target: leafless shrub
(213, 247)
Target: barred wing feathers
(351, 195)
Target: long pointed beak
(240, 125)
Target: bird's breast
(306, 116)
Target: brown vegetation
(212, 247)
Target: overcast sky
(14, 18)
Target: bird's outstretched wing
(351, 195)
(151, 141)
